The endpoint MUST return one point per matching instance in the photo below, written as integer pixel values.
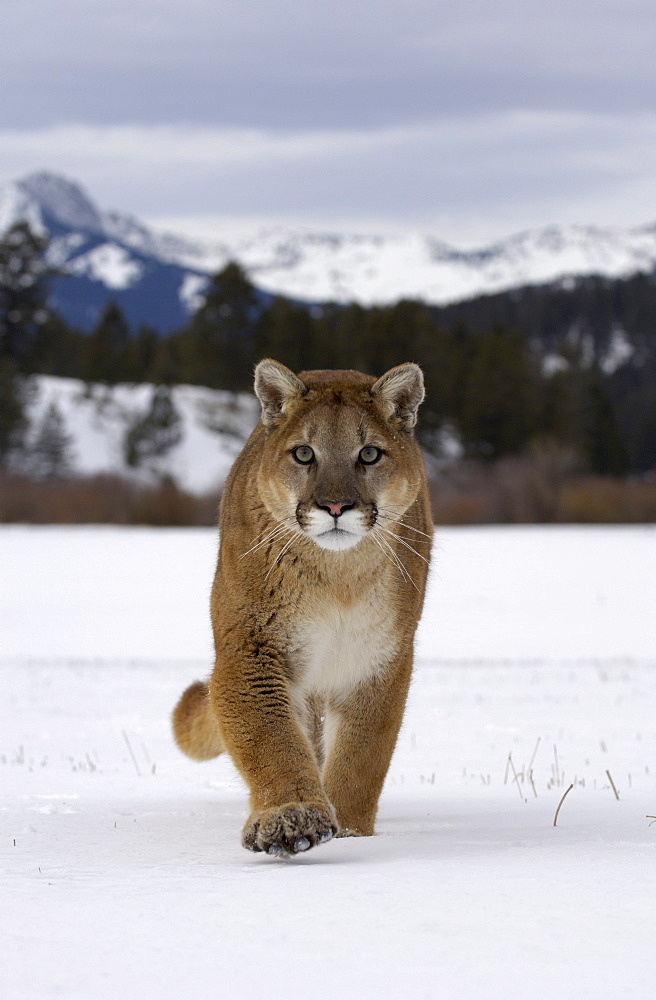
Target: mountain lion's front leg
(289, 808)
(360, 735)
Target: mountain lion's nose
(335, 507)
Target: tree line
(497, 382)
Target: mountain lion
(325, 533)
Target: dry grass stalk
(530, 778)
(531, 761)
(516, 776)
(612, 785)
(565, 794)
(556, 767)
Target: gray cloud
(463, 117)
(293, 63)
(516, 166)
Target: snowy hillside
(209, 429)
(158, 278)
(121, 859)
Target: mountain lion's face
(339, 461)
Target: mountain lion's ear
(276, 387)
(400, 391)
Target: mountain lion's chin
(337, 540)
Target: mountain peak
(61, 201)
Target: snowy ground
(122, 870)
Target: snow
(191, 291)
(554, 363)
(109, 263)
(16, 206)
(619, 351)
(121, 859)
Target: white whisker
(404, 524)
(410, 527)
(276, 561)
(279, 529)
(404, 543)
(377, 541)
(397, 559)
(397, 535)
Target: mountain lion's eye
(369, 456)
(304, 455)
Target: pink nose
(335, 507)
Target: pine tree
(217, 348)
(23, 273)
(155, 432)
(602, 445)
(389, 334)
(58, 349)
(498, 413)
(13, 419)
(140, 356)
(337, 336)
(50, 452)
(285, 332)
(108, 348)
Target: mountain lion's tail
(195, 729)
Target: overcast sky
(468, 119)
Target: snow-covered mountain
(102, 256)
(382, 269)
(158, 278)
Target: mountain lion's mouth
(339, 529)
(336, 538)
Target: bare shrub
(101, 499)
(602, 500)
(543, 486)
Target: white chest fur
(344, 647)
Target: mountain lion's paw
(289, 829)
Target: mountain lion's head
(340, 459)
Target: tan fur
(313, 625)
